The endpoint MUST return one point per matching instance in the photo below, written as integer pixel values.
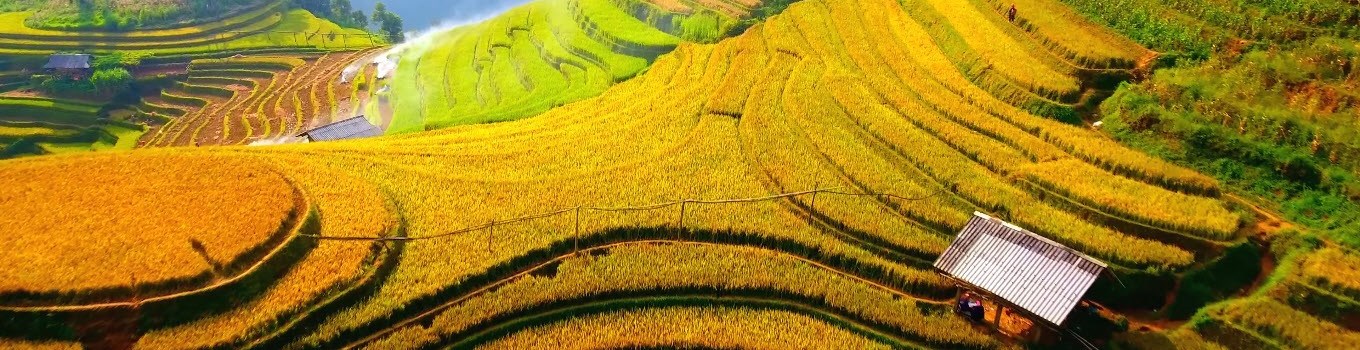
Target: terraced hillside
(242, 100)
(204, 110)
(272, 26)
(546, 54)
(1272, 111)
(549, 53)
(31, 126)
(1258, 95)
(122, 16)
(804, 171)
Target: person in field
(970, 307)
(1011, 13)
(962, 306)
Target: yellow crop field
(328, 268)
(150, 222)
(1006, 55)
(637, 268)
(1292, 328)
(39, 345)
(576, 174)
(1068, 33)
(1154, 205)
(720, 328)
(1334, 268)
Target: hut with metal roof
(352, 128)
(1023, 271)
(76, 66)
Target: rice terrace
(715, 174)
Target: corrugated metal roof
(68, 61)
(1043, 277)
(352, 128)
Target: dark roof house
(1040, 277)
(68, 61)
(352, 128)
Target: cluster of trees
(389, 24)
(110, 76)
(342, 12)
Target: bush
(1218, 280)
(112, 80)
(21, 147)
(61, 86)
(118, 59)
(704, 27)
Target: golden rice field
(641, 267)
(120, 239)
(691, 327)
(787, 187)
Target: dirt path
(149, 71)
(1267, 268)
(1259, 232)
(1267, 223)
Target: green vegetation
(538, 56)
(110, 77)
(123, 16)
(1220, 279)
(341, 12)
(31, 126)
(476, 74)
(388, 23)
(270, 27)
(1274, 122)
(1261, 95)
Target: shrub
(1218, 280)
(110, 80)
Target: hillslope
(546, 54)
(207, 106)
(926, 105)
(270, 26)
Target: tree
(117, 59)
(341, 12)
(341, 8)
(389, 24)
(319, 7)
(379, 12)
(110, 80)
(359, 19)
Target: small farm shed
(75, 66)
(352, 128)
(1023, 271)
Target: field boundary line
(496, 284)
(648, 207)
(289, 235)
